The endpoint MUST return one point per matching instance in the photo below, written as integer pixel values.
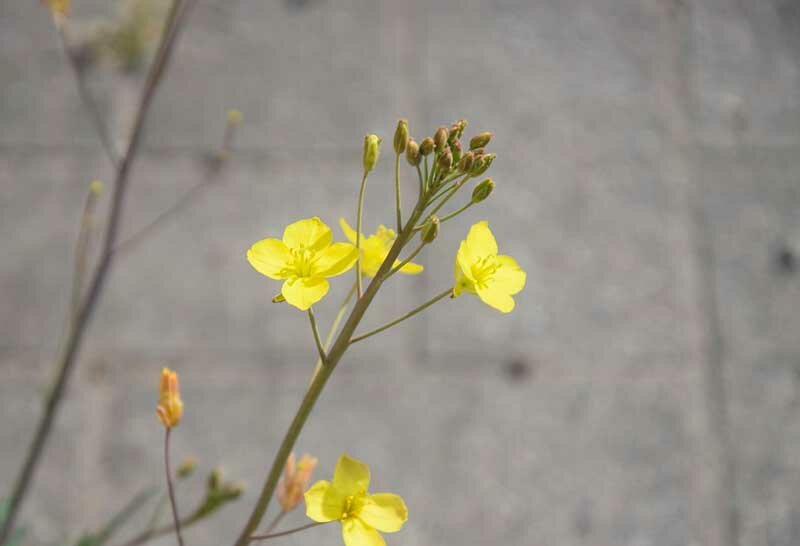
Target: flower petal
(385, 512)
(270, 257)
(351, 476)
(410, 268)
(308, 233)
(323, 503)
(464, 261)
(480, 240)
(509, 275)
(349, 232)
(357, 533)
(303, 292)
(335, 260)
(495, 297)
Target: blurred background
(645, 390)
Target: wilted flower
(295, 480)
(170, 406)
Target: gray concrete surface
(645, 392)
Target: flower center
(484, 269)
(347, 511)
(303, 261)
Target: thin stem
(405, 262)
(421, 183)
(170, 487)
(178, 12)
(397, 193)
(274, 523)
(452, 192)
(457, 212)
(410, 314)
(289, 532)
(335, 326)
(314, 329)
(426, 174)
(85, 95)
(335, 354)
(150, 534)
(359, 210)
(81, 252)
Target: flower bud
(440, 138)
(186, 468)
(426, 146)
(455, 148)
(170, 406)
(480, 140)
(371, 152)
(466, 162)
(479, 152)
(59, 8)
(445, 161)
(482, 164)
(295, 480)
(430, 230)
(457, 129)
(412, 153)
(234, 117)
(401, 137)
(482, 190)
(96, 187)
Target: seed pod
(466, 162)
(426, 146)
(430, 230)
(412, 153)
(401, 137)
(480, 140)
(440, 138)
(482, 190)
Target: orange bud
(295, 480)
(170, 406)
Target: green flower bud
(186, 468)
(480, 140)
(482, 190)
(430, 230)
(466, 162)
(412, 153)
(401, 137)
(482, 164)
(426, 146)
(371, 152)
(479, 152)
(457, 129)
(440, 138)
(455, 148)
(445, 161)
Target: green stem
(406, 261)
(421, 183)
(456, 213)
(359, 210)
(397, 193)
(311, 396)
(289, 532)
(81, 251)
(336, 321)
(171, 489)
(426, 174)
(314, 329)
(410, 314)
(274, 523)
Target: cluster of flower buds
(218, 493)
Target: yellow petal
(270, 257)
(309, 233)
(385, 512)
(410, 268)
(349, 232)
(509, 275)
(335, 260)
(464, 261)
(480, 240)
(351, 476)
(303, 292)
(357, 533)
(462, 284)
(323, 504)
(495, 297)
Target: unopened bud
(466, 162)
(170, 406)
(480, 140)
(482, 164)
(426, 146)
(234, 117)
(214, 480)
(401, 137)
(479, 152)
(445, 161)
(187, 467)
(455, 148)
(59, 8)
(371, 152)
(412, 153)
(430, 230)
(457, 129)
(482, 190)
(440, 138)
(96, 187)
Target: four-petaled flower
(480, 270)
(375, 248)
(305, 258)
(346, 499)
(170, 405)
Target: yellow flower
(480, 270)
(294, 481)
(170, 406)
(375, 248)
(346, 499)
(304, 259)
